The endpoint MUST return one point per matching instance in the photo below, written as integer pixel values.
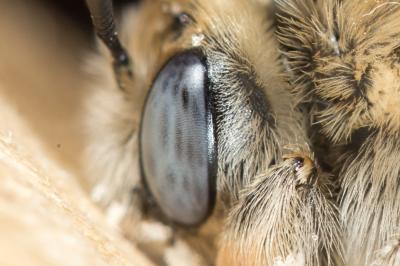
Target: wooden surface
(46, 216)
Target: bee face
(239, 102)
(205, 114)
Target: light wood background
(46, 217)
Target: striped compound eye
(177, 142)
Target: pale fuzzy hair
(389, 254)
(239, 40)
(344, 55)
(370, 204)
(276, 222)
(344, 60)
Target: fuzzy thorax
(343, 57)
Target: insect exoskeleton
(287, 216)
(343, 57)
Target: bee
(343, 59)
(192, 122)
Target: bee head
(211, 120)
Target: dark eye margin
(180, 64)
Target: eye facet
(177, 141)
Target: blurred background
(44, 45)
(46, 218)
(76, 12)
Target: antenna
(103, 20)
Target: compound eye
(177, 143)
